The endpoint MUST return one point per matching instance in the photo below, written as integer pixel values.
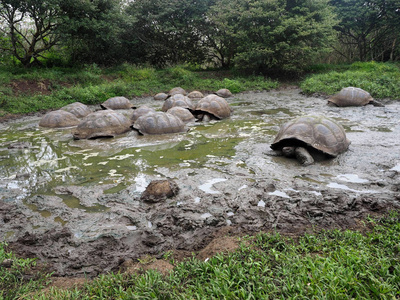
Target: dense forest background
(258, 36)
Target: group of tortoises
(303, 138)
(309, 136)
(176, 112)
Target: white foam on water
(230, 214)
(149, 224)
(242, 187)
(396, 168)
(197, 200)
(206, 215)
(131, 227)
(141, 183)
(261, 203)
(279, 194)
(335, 185)
(353, 178)
(206, 187)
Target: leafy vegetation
(331, 264)
(57, 87)
(381, 80)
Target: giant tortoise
(311, 134)
(352, 96)
(117, 103)
(79, 109)
(182, 113)
(177, 100)
(224, 93)
(176, 90)
(59, 119)
(102, 123)
(159, 123)
(141, 111)
(212, 107)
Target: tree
(371, 27)
(280, 35)
(29, 25)
(166, 31)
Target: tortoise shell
(141, 111)
(195, 95)
(177, 90)
(117, 103)
(177, 100)
(318, 132)
(224, 93)
(79, 109)
(102, 123)
(159, 123)
(351, 96)
(59, 119)
(160, 96)
(182, 113)
(214, 105)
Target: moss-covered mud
(76, 204)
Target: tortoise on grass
(102, 123)
(159, 123)
(177, 100)
(352, 96)
(308, 136)
(79, 109)
(117, 103)
(212, 107)
(59, 119)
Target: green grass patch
(331, 264)
(94, 85)
(381, 80)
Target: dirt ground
(238, 188)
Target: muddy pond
(75, 204)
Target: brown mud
(83, 220)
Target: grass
(94, 85)
(381, 80)
(330, 264)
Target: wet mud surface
(76, 205)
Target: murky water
(226, 172)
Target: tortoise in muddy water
(159, 123)
(224, 93)
(177, 100)
(182, 113)
(352, 96)
(141, 111)
(79, 109)
(59, 119)
(176, 90)
(102, 123)
(117, 103)
(307, 137)
(161, 96)
(212, 107)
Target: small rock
(159, 190)
(7, 263)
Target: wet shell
(318, 132)
(351, 96)
(103, 123)
(141, 111)
(78, 109)
(182, 113)
(214, 105)
(224, 93)
(159, 123)
(59, 119)
(195, 95)
(177, 100)
(160, 96)
(117, 103)
(177, 90)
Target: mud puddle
(76, 204)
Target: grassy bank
(23, 91)
(333, 264)
(381, 80)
